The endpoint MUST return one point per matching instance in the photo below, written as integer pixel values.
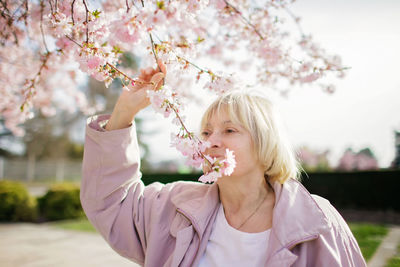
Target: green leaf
(199, 39)
(161, 5)
(116, 50)
(96, 13)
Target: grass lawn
(78, 225)
(368, 236)
(395, 261)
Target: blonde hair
(256, 114)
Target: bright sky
(365, 109)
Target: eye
(205, 133)
(230, 130)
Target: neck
(242, 193)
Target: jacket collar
(198, 202)
(296, 217)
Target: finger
(161, 65)
(142, 74)
(148, 71)
(157, 79)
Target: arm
(112, 194)
(111, 190)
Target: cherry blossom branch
(188, 133)
(29, 90)
(115, 69)
(296, 20)
(86, 20)
(86, 23)
(51, 6)
(72, 40)
(41, 26)
(233, 8)
(72, 12)
(154, 51)
(180, 58)
(173, 107)
(127, 6)
(11, 18)
(126, 77)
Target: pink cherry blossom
(310, 78)
(229, 163)
(210, 177)
(45, 45)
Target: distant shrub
(15, 203)
(61, 202)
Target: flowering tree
(46, 45)
(313, 160)
(362, 160)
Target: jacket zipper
(196, 230)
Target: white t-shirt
(230, 247)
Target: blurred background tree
(60, 137)
(362, 160)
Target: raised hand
(134, 98)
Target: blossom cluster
(46, 45)
(217, 168)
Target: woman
(258, 216)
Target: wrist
(120, 120)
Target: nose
(215, 140)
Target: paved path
(33, 245)
(386, 249)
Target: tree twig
(33, 81)
(244, 19)
(127, 6)
(72, 12)
(86, 20)
(41, 26)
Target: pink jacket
(169, 225)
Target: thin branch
(51, 6)
(126, 77)
(154, 51)
(194, 65)
(72, 40)
(189, 134)
(127, 6)
(33, 81)
(187, 61)
(296, 20)
(245, 19)
(86, 20)
(72, 12)
(41, 26)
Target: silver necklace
(254, 212)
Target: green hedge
(15, 203)
(61, 202)
(367, 190)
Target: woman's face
(222, 133)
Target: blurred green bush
(15, 203)
(61, 202)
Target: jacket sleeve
(112, 194)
